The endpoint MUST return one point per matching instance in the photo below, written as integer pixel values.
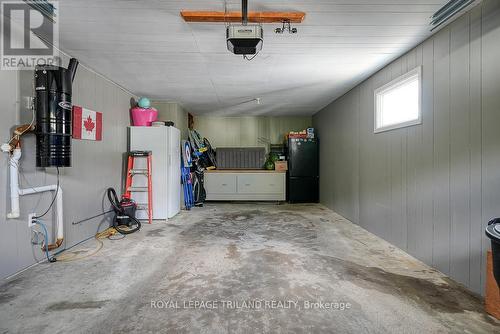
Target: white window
(398, 103)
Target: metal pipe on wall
(244, 12)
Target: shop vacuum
(124, 213)
(53, 87)
(493, 232)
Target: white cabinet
(245, 185)
(221, 183)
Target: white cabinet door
(260, 183)
(174, 172)
(223, 183)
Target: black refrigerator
(303, 170)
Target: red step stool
(131, 172)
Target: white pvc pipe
(14, 184)
(15, 192)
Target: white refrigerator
(165, 144)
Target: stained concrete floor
(241, 268)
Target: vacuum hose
(115, 203)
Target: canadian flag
(87, 124)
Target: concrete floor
(259, 264)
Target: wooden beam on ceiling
(254, 17)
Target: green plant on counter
(271, 158)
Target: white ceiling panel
(145, 46)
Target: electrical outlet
(30, 219)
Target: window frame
(398, 82)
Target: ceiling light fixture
(45, 8)
(287, 26)
(256, 100)
(450, 10)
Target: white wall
(171, 111)
(233, 131)
(96, 165)
(428, 189)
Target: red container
(143, 117)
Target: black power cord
(250, 58)
(53, 199)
